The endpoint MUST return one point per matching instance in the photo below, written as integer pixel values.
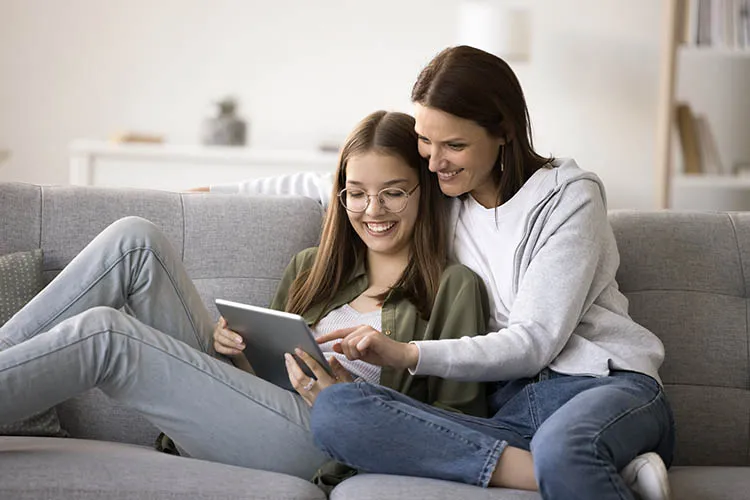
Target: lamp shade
(495, 27)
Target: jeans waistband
(542, 375)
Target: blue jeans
(580, 430)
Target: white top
(495, 232)
(344, 317)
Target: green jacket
(460, 309)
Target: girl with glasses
(378, 265)
(578, 409)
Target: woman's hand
(226, 341)
(308, 387)
(366, 343)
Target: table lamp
(501, 27)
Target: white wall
(593, 87)
(307, 71)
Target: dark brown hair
(478, 86)
(340, 246)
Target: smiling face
(461, 153)
(381, 231)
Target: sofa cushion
(687, 483)
(20, 206)
(80, 469)
(709, 483)
(382, 487)
(20, 281)
(687, 277)
(93, 415)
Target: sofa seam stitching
(713, 386)
(259, 278)
(683, 290)
(182, 207)
(41, 215)
(747, 335)
(739, 253)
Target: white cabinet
(710, 192)
(176, 168)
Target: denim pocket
(640, 378)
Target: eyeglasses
(392, 200)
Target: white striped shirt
(344, 317)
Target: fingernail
(287, 357)
(238, 340)
(298, 351)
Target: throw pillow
(20, 280)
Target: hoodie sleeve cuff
(419, 359)
(225, 188)
(429, 362)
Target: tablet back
(268, 334)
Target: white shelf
(697, 50)
(712, 181)
(178, 167)
(710, 192)
(186, 153)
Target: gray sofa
(687, 276)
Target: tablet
(268, 334)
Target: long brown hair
(478, 86)
(341, 248)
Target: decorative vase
(226, 128)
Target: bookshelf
(713, 80)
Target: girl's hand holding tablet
(309, 387)
(226, 341)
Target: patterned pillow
(20, 280)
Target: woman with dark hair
(125, 317)
(578, 407)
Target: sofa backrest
(686, 276)
(235, 247)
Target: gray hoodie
(566, 311)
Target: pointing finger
(337, 334)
